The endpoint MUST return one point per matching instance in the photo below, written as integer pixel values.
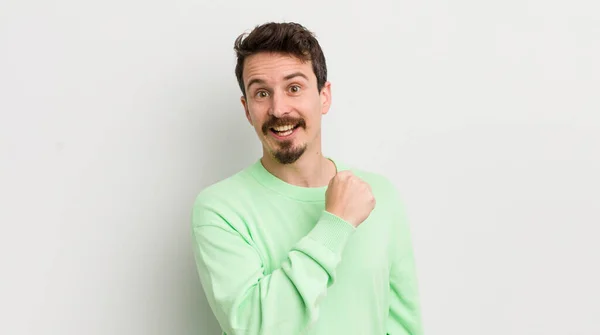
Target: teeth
(284, 128)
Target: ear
(325, 98)
(245, 104)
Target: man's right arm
(247, 301)
(244, 299)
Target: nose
(279, 105)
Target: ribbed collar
(270, 181)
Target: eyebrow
(295, 74)
(255, 81)
(288, 77)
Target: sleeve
(243, 298)
(405, 313)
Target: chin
(288, 156)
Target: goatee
(287, 154)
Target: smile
(282, 132)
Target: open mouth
(284, 131)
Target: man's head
(282, 73)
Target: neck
(310, 170)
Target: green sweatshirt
(271, 260)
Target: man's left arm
(405, 310)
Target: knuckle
(342, 175)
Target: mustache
(275, 122)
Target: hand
(349, 198)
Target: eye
(295, 88)
(262, 94)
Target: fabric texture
(272, 260)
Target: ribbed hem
(332, 231)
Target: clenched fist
(349, 198)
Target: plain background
(114, 114)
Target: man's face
(284, 104)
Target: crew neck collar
(270, 181)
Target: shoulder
(219, 190)
(387, 194)
(235, 186)
(380, 184)
(218, 201)
(385, 191)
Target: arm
(243, 298)
(405, 314)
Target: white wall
(114, 114)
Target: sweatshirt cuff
(332, 231)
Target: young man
(296, 243)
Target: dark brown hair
(288, 38)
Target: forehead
(275, 66)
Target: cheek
(257, 116)
(257, 120)
(312, 113)
(308, 107)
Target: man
(296, 243)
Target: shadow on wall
(223, 144)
